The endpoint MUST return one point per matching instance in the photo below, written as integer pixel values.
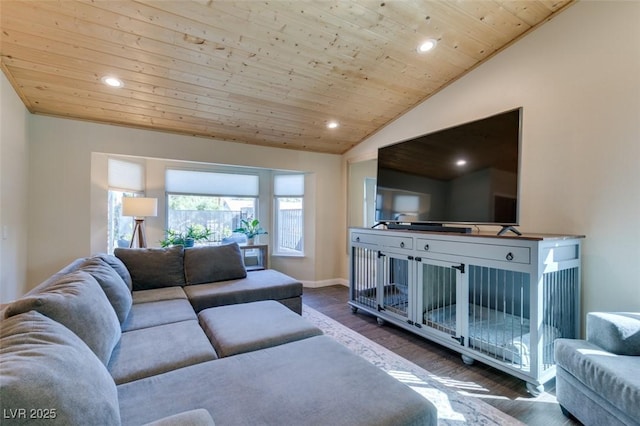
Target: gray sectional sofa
(184, 337)
(598, 379)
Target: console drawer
(496, 252)
(405, 243)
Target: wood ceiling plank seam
(178, 109)
(210, 32)
(411, 50)
(555, 5)
(64, 23)
(528, 11)
(459, 13)
(84, 55)
(435, 14)
(292, 124)
(56, 74)
(187, 81)
(470, 57)
(202, 129)
(499, 19)
(189, 121)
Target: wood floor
(494, 387)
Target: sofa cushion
(44, 366)
(151, 314)
(77, 301)
(117, 266)
(314, 381)
(153, 267)
(158, 294)
(208, 264)
(112, 284)
(150, 351)
(268, 284)
(615, 332)
(615, 378)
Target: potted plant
(250, 228)
(194, 234)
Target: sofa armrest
(616, 332)
(197, 417)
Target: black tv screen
(467, 174)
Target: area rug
(453, 407)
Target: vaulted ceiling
(270, 73)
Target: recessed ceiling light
(112, 81)
(332, 124)
(461, 163)
(427, 45)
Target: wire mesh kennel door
(364, 282)
(438, 289)
(396, 273)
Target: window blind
(125, 175)
(211, 183)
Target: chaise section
(314, 381)
(158, 294)
(150, 351)
(268, 284)
(247, 327)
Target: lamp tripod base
(138, 229)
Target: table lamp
(139, 208)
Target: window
(125, 178)
(288, 193)
(217, 201)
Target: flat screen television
(466, 174)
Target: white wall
(13, 189)
(67, 218)
(578, 79)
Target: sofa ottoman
(247, 327)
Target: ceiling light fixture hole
(427, 45)
(112, 81)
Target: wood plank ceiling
(271, 73)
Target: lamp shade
(139, 207)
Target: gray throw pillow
(117, 266)
(77, 301)
(209, 264)
(153, 267)
(48, 372)
(112, 284)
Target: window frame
(203, 193)
(276, 249)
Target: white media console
(501, 300)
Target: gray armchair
(598, 379)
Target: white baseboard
(326, 283)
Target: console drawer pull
(426, 247)
(402, 244)
(509, 256)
